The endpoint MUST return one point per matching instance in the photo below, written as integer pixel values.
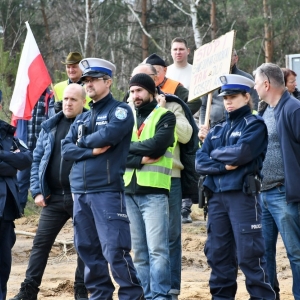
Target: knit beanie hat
(144, 81)
(154, 59)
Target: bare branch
(65, 243)
(178, 7)
(143, 28)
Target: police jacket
(14, 156)
(108, 123)
(153, 147)
(41, 157)
(240, 141)
(287, 116)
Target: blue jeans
(278, 216)
(149, 225)
(175, 234)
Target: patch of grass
(30, 208)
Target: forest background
(127, 31)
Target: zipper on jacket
(93, 119)
(108, 171)
(226, 139)
(59, 175)
(84, 177)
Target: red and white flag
(32, 79)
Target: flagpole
(54, 92)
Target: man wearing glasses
(98, 143)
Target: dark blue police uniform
(101, 225)
(234, 224)
(14, 156)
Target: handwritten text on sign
(211, 61)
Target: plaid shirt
(39, 115)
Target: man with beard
(147, 185)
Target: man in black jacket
(50, 188)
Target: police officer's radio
(82, 131)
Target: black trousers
(53, 217)
(7, 241)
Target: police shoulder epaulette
(251, 118)
(219, 122)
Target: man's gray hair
(272, 73)
(151, 67)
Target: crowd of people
(127, 174)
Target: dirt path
(59, 275)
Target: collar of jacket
(262, 105)
(146, 109)
(284, 98)
(163, 82)
(47, 125)
(78, 82)
(238, 114)
(6, 128)
(234, 69)
(100, 103)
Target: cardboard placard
(211, 61)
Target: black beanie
(144, 81)
(154, 59)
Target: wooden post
(208, 108)
(53, 90)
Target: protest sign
(211, 61)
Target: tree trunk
(145, 40)
(268, 32)
(196, 30)
(87, 35)
(50, 48)
(213, 20)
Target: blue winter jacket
(10, 162)
(108, 123)
(41, 156)
(240, 141)
(287, 117)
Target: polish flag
(32, 79)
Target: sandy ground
(59, 275)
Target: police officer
(231, 158)
(14, 156)
(98, 143)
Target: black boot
(27, 292)
(185, 216)
(80, 292)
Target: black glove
(57, 106)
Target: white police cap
(235, 84)
(96, 67)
